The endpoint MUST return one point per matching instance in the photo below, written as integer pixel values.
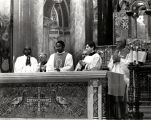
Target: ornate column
(137, 113)
(134, 93)
(131, 93)
(148, 12)
(97, 98)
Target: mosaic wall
(43, 100)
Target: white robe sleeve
(110, 64)
(34, 65)
(128, 58)
(68, 65)
(50, 63)
(95, 64)
(18, 66)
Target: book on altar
(139, 56)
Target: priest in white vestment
(118, 79)
(120, 59)
(61, 60)
(26, 63)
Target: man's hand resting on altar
(57, 69)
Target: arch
(139, 4)
(54, 17)
(62, 9)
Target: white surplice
(120, 67)
(20, 65)
(93, 63)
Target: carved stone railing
(53, 95)
(139, 94)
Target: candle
(136, 54)
(131, 54)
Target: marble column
(16, 29)
(37, 25)
(77, 21)
(89, 21)
(27, 26)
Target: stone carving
(124, 4)
(120, 24)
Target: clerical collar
(61, 53)
(92, 53)
(27, 55)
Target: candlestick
(136, 55)
(131, 54)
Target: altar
(53, 95)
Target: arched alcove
(56, 23)
(138, 20)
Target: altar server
(26, 63)
(61, 60)
(92, 61)
(42, 62)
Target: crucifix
(38, 100)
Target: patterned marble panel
(43, 100)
